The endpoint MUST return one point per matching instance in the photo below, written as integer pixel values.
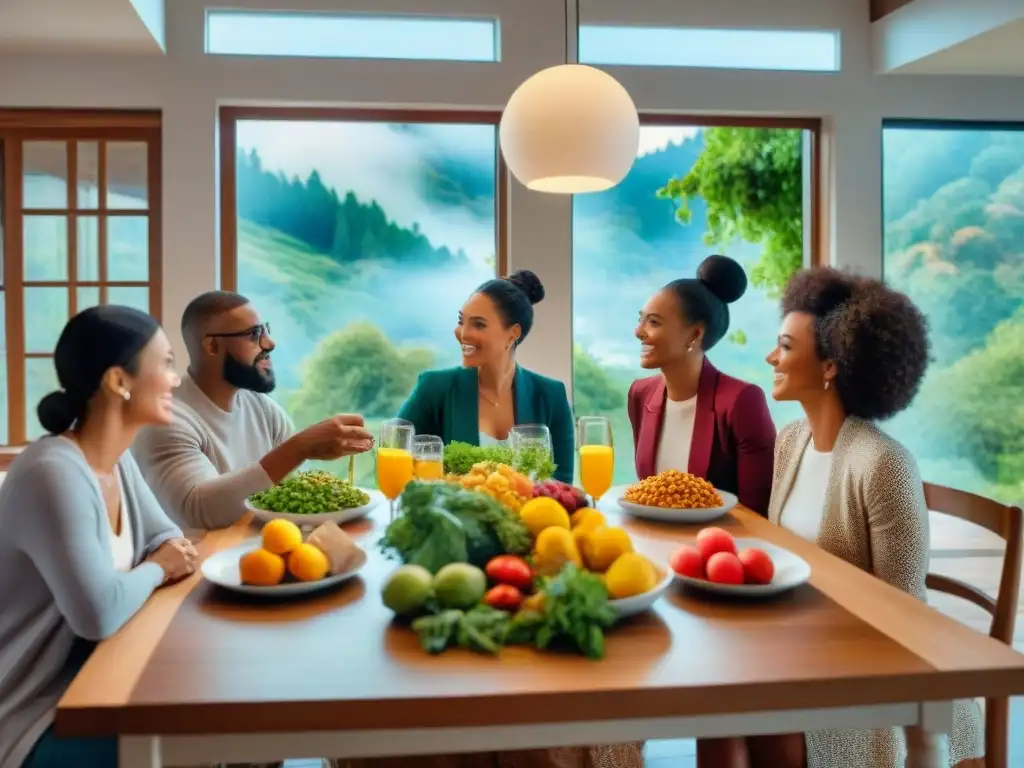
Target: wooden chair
(1008, 523)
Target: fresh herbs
(481, 629)
(311, 492)
(575, 613)
(442, 523)
(571, 611)
(532, 461)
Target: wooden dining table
(202, 675)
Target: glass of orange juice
(596, 455)
(394, 458)
(427, 457)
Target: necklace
(487, 399)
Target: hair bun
(724, 277)
(527, 282)
(56, 413)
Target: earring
(690, 347)
(126, 395)
(826, 383)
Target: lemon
(543, 512)
(631, 574)
(554, 548)
(603, 546)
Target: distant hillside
(637, 228)
(348, 230)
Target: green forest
(954, 241)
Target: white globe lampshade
(570, 129)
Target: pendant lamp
(571, 128)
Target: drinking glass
(394, 458)
(597, 455)
(427, 457)
(529, 438)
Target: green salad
(532, 461)
(311, 492)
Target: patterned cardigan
(875, 518)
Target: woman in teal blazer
(481, 401)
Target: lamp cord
(576, 32)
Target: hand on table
(177, 557)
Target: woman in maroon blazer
(692, 417)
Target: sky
(335, 35)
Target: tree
(356, 370)
(752, 182)
(594, 392)
(977, 407)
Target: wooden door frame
(31, 125)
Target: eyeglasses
(256, 333)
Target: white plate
(665, 515)
(631, 606)
(790, 572)
(222, 569)
(308, 521)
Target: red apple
(758, 567)
(724, 568)
(713, 540)
(686, 561)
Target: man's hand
(338, 436)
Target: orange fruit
(307, 563)
(261, 568)
(281, 536)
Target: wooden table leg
(139, 752)
(928, 742)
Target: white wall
(188, 86)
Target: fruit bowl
(790, 571)
(631, 606)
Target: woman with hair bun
(85, 542)
(691, 417)
(479, 402)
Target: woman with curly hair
(852, 351)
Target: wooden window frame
(18, 126)
(228, 147)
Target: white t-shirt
(676, 435)
(486, 441)
(122, 544)
(804, 507)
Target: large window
(359, 239)
(81, 227)
(953, 203)
(739, 190)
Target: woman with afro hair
(852, 352)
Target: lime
(407, 590)
(460, 585)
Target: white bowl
(221, 568)
(630, 606)
(791, 571)
(666, 515)
(306, 521)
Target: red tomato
(511, 570)
(504, 597)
